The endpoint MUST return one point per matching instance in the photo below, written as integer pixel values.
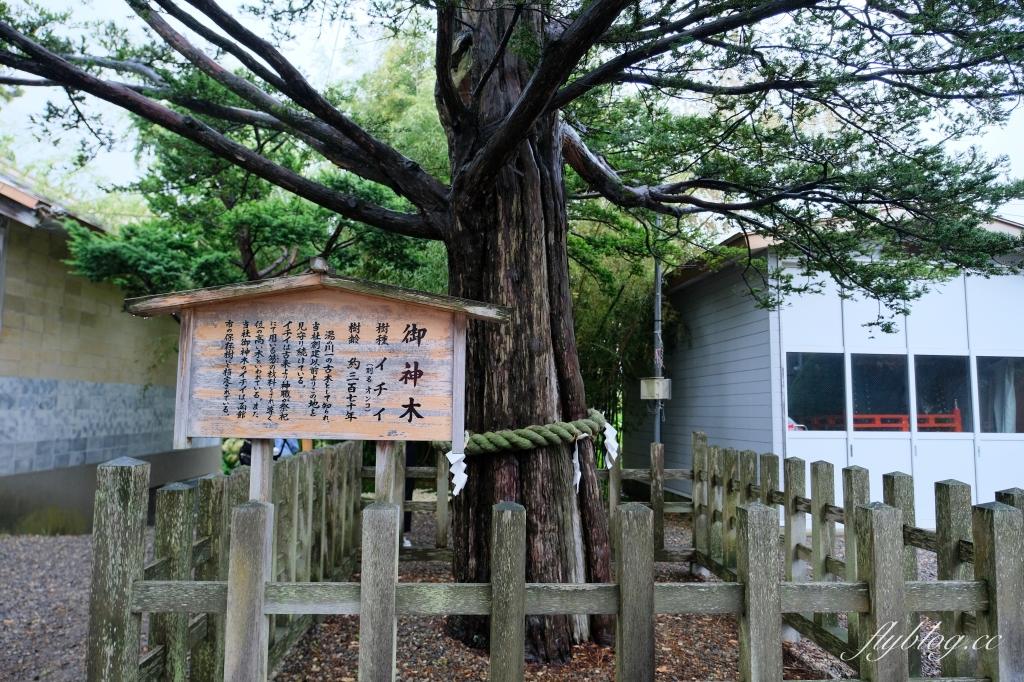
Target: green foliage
(886, 214)
(214, 223)
(613, 315)
(395, 101)
(230, 449)
(52, 521)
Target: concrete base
(700, 571)
(64, 497)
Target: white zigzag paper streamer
(610, 444)
(576, 473)
(458, 469)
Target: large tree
(800, 120)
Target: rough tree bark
(507, 245)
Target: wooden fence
(736, 535)
(724, 479)
(316, 498)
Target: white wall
(721, 376)
(966, 317)
(729, 380)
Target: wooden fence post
(748, 476)
(208, 655)
(758, 569)
(377, 621)
(318, 525)
(998, 547)
(716, 464)
(769, 478)
(1013, 497)
(304, 518)
(118, 554)
(247, 637)
(399, 490)
(355, 517)
(794, 480)
(338, 542)
(898, 491)
(614, 494)
(699, 494)
(856, 491)
(880, 565)
(823, 531)
(794, 477)
(953, 524)
(508, 592)
(238, 490)
(634, 634)
(175, 505)
(730, 502)
(658, 493)
(441, 519)
(283, 512)
(237, 493)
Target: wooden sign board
(318, 356)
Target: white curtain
(1004, 396)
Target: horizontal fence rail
(737, 502)
(315, 538)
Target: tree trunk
(508, 246)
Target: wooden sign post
(316, 356)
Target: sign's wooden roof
(164, 304)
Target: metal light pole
(659, 357)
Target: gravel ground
(687, 647)
(44, 606)
(44, 586)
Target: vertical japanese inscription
(328, 369)
(243, 369)
(286, 386)
(257, 367)
(352, 381)
(271, 370)
(314, 368)
(229, 355)
(301, 353)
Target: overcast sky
(331, 55)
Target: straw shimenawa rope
(531, 437)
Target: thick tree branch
(325, 139)
(447, 92)
(605, 181)
(887, 76)
(250, 62)
(496, 59)
(560, 57)
(333, 146)
(46, 64)
(421, 188)
(602, 178)
(27, 82)
(611, 70)
(121, 65)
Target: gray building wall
(47, 424)
(722, 374)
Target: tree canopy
(800, 120)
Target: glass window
(1001, 394)
(943, 384)
(880, 392)
(816, 392)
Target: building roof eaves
(164, 304)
